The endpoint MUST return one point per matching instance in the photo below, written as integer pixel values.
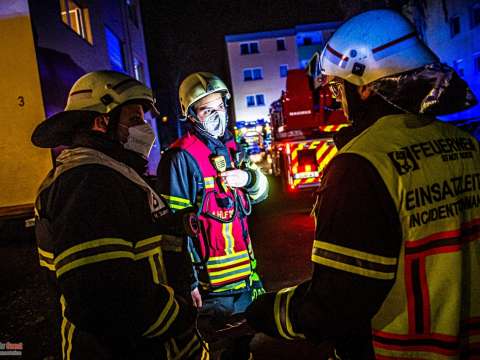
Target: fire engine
(303, 121)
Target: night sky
(186, 36)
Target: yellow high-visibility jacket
(431, 171)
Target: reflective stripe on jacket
(99, 242)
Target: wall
(22, 165)
(463, 46)
(272, 84)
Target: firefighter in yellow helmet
(204, 168)
(397, 236)
(100, 230)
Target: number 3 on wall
(21, 101)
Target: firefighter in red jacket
(205, 169)
(397, 240)
(100, 231)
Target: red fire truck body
(303, 122)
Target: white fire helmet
(372, 45)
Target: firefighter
(205, 169)
(397, 235)
(99, 229)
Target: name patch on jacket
(407, 158)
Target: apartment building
(452, 30)
(72, 37)
(258, 65)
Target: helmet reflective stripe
(198, 85)
(335, 57)
(373, 45)
(393, 46)
(81, 94)
(103, 91)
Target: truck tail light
(307, 161)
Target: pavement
(282, 232)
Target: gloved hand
(196, 298)
(235, 178)
(256, 286)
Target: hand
(235, 178)
(196, 298)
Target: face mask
(215, 123)
(140, 139)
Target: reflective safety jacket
(431, 172)
(222, 252)
(108, 263)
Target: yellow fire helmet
(97, 92)
(103, 91)
(198, 85)
(372, 45)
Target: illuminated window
(132, 11)
(454, 26)
(115, 51)
(476, 61)
(283, 70)
(138, 70)
(77, 18)
(281, 45)
(260, 99)
(250, 100)
(252, 74)
(307, 41)
(247, 74)
(458, 66)
(255, 100)
(475, 15)
(244, 49)
(249, 48)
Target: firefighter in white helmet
(204, 168)
(397, 236)
(100, 229)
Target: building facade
(258, 65)
(73, 37)
(452, 30)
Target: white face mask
(215, 123)
(140, 139)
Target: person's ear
(365, 92)
(100, 123)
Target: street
(282, 233)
